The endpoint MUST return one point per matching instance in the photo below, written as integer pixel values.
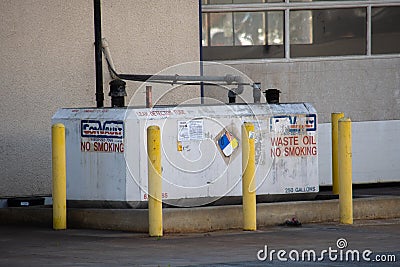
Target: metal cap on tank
(272, 96)
(232, 96)
(117, 93)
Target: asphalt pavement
(365, 243)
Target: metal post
(335, 167)
(345, 172)
(59, 177)
(248, 178)
(154, 181)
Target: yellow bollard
(248, 178)
(154, 181)
(59, 177)
(345, 172)
(335, 167)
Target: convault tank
(201, 153)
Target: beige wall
(47, 62)
(364, 89)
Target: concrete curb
(203, 219)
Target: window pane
(301, 27)
(204, 29)
(328, 32)
(275, 28)
(385, 30)
(243, 35)
(249, 28)
(220, 29)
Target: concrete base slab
(205, 219)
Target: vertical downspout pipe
(98, 54)
(201, 51)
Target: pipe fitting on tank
(117, 93)
(257, 92)
(272, 96)
(232, 96)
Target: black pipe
(98, 54)
(201, 51)
(134, 77)
(232, 97)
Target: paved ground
(23, 246)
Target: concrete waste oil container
(201, 153)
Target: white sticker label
(190, 130)
(183, 131)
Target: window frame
(288, 6)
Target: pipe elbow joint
(239, 90)
(104, 43)
(229, 79)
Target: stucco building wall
(47, 62)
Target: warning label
(228, 143)
(102, 146)
(293, 146)
(190, 130)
